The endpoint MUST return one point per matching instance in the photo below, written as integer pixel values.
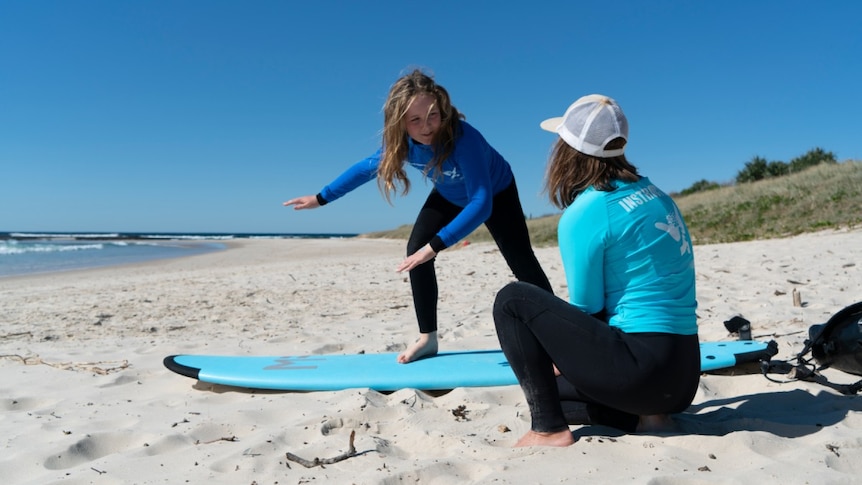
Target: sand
(84, 397)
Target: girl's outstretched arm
(304, 202)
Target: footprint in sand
(92, 448)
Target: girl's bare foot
(655, 423)
(426, 345)
(536, 438)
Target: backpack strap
(805, 368)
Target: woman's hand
(423, 255)
(304, 202)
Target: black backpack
(836, 344)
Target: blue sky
(204, 116)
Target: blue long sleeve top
(628, 252)
(470, 178)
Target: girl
(473, 184)
(623, 351)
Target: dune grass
(826, 196)
(822, 197)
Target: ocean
(24, 253)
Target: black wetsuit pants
(608, 377)
(506, 225)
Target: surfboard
(721, 355)
(381, 372)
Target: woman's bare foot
(655, 423)
(424, 346)
(536, 438)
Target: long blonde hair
(390, 172)
(570, 172)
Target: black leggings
(608, 377)
(506, 225)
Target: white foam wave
(24, 248)
(190, 237)
(52, 235)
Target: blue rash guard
(472, 175)
(628, 252)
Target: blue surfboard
(446, 370)
(720, 355)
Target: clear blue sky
(204, 116)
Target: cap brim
(552, 124)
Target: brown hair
(390, 172)
(570, 172)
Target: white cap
(589, 124)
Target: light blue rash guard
(629, 252)
(472, 175)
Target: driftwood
(351, 451)
(797, 298)
(15, 335)
(102, 368)
(223, 438)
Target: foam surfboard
(720, 355)
(446, 370)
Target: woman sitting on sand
(623, 352)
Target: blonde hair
(570, 172)
(390, 172)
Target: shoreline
(195, 248)
(86, 398)
(48, 253)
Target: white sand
(84, 397)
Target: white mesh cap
(589, 124)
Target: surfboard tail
(760, 354)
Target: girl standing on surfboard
(623, 351)
(473, 184)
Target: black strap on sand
(805, 370)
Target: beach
(85, 398)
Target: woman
(473, 184)
(623, 351)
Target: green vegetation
(700, 186)
(821, 196)
(543, 232)
(758, 168)
(827, 195)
